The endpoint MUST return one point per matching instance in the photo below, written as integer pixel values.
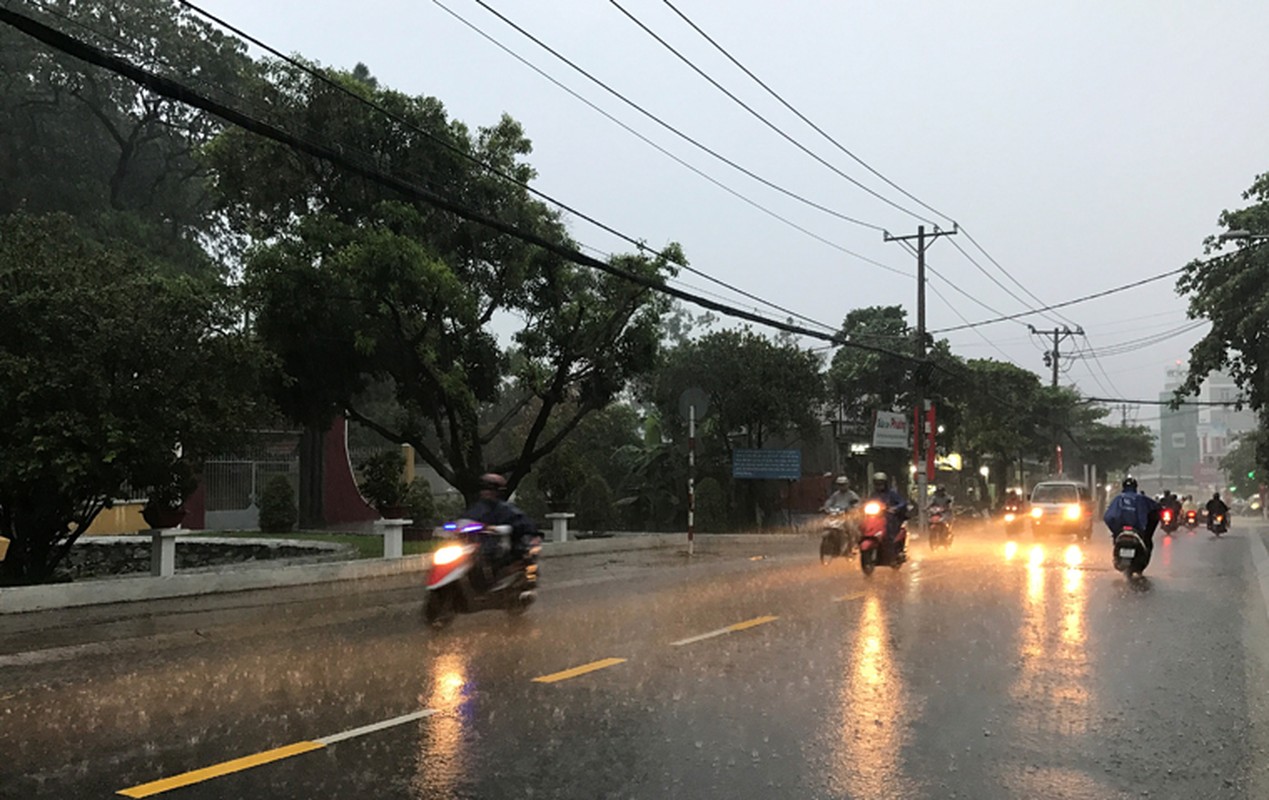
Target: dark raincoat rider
(1131, 508)
(490, 510)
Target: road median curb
(1260, 559)
(24, 599)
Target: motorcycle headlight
(1009, 517)
(1072, 512)
(447, 555)
(872, 509)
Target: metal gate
(233, 484)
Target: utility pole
(1052, 358)
(920, 456)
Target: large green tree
(110, 363)
(81, 140)
(354, 285)
(762, 391)
(1229, 291)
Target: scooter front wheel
(868, 560)
(438, 609)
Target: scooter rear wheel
(868, 560)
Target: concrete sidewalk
(257, 576)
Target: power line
(804, 118)
(1010, 276)
(667, 126)
(175, 90)
(1120, 400)
(995, 280)
(1133, 345)
(1096, 295)
(832, 140)
(402, 120)
(778, 130)
(646, 140)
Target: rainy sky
(1084, 145)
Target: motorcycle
(462, 581)
(1191, 519)
(839, 536)
(1168, 521)
(940, 527)
(1131, 556)
(1218, 524)
(873, 550)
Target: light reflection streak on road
(441, 764)
(875, 713)
(1051, 689)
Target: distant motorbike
(1191, 519)
(463, 581)
(1218, 523)
(940, 533)
(874, 551)
(1168, 521)
(839, 535)
(1131, 556)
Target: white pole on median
(691, 477)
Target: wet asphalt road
(965, 674)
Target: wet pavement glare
(991, 670)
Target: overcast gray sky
(1083, 144)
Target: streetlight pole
(1052, 358)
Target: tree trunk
(312, 478)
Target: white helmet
(842, 480)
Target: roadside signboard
(891, 430)
(766, 464)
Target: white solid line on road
(739, 626)
(376, 726)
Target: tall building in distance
(1178, 434)
(1194, 439)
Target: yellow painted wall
(123, 518)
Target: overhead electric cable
(828, 137)
(667, 126)
(778, 130)
(804, 118)
(1064, 304)
(398, 118)
(175, 90)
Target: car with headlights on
(1061, 507)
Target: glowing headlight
(447, 554)
(1010, 517)
(872, 509)
(1072, 511)
(1036, 513)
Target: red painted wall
(342, 503)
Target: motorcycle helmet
(1130, 483)
(1216, 496)
(880, 482)
(493, 482)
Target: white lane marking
(377, 726)
(739, 626)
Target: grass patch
(363, 546)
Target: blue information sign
(767, 464)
